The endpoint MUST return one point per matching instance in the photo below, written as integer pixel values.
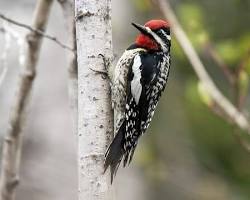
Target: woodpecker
(137, 83)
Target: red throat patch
(146, 42)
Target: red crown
(156, 24)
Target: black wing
(141, 80)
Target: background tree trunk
(95, 121)
(68, 13)
(11, 154)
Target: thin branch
(237, 117)
(239, 102)
(219, 112)
(217, 59)
(11, 154)
(245, 59)
(37, 31)
(241, 68)
(242, 141)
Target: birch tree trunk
(95, 121)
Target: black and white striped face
(161, 35)
(164, 34)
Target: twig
(219, 112)
(37, 31)
(237, 117)
(241, 68)
(244, 61)
(214, 55)
(239, 101)
(12, 146)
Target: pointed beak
(141, 28)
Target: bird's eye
(162, 31)
(166, 30)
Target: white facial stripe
(148, 29)
(157, 39)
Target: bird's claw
(106, 61)
(102, 72)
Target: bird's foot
(107, 62)
(103, 72)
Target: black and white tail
(114, 153)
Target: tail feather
(128, 157)
(115, 152)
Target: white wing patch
(136, 86)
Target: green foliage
(146, 156)
(232, 51)
(204, 95)
(142, 5)
(216, 146)
(177, 50)
(192, 93)
(247, 65)
(243, 82)
(191, 18)
(228, 51)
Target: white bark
(95, 121)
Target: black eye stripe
(166, 30)
(163, 34)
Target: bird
(137, 82)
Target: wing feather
(120, 85)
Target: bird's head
(154, 35)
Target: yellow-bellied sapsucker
(138, 81)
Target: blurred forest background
(188, 153)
